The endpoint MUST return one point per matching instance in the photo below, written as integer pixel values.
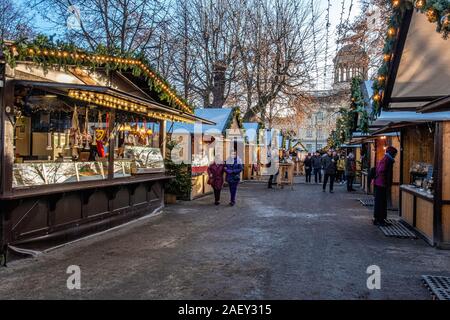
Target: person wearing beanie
(382, 183)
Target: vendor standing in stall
(383, 183)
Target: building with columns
(351, 61)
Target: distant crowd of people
(332, 167)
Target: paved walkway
(274, 244)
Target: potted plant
(180, 186)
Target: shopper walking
(350, 171)
(216, 171)
(317, 167)
(383, 183)
(308, 167)
(233, 169)
(329, 163)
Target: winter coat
(308, 163)
(233, 168)
(215, 172)
(384, 172)
(350, 167)
(316, 162)
(341, 164)
(329, 164)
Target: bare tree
(277, 53)
(14, 21)
(255, 54)
(368, 31)
(121, 26)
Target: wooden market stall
(82, 142)
(411, 82)
(199, 144)
(252, 163)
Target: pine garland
(437, 11)
(358, 105)
(46, 54)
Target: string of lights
(327, 18)
(314, 42)
(339, 31)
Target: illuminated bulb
(376, 97)
(387, 57)
(392, 31)
(395, 3)
(419, 4)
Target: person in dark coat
(350, 171)
(317, 167)
(216, 171)
(308, 167)
(382, 183)
(233, 169)
(329, 163)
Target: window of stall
(60, 140)
(136, 141)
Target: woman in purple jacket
(383, 183)
(215, 171)
(233, 168)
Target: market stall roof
(68, 88)
(420, 70)
(219, 119)
(442, 104)
(346, 145)
(411, 118)
(43, 56)
(357, 139)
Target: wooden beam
(398, 51)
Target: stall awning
(369, 137)
(437, 105)
(113, 98)
(404, 119)
(421, 70)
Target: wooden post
(162, 138)
(112, 144)
(437, 170)
(7, 135)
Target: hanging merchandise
(59, 133)
(144, 132)
(86, 136)
(100, 134)
(75, 134)
(49, 141)
(66, 139)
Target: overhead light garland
(436, 11)
(44, 53)
(109, 101)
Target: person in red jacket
(215, 171)
(383, 183)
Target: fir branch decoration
(46, 54)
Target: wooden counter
(417, 210)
